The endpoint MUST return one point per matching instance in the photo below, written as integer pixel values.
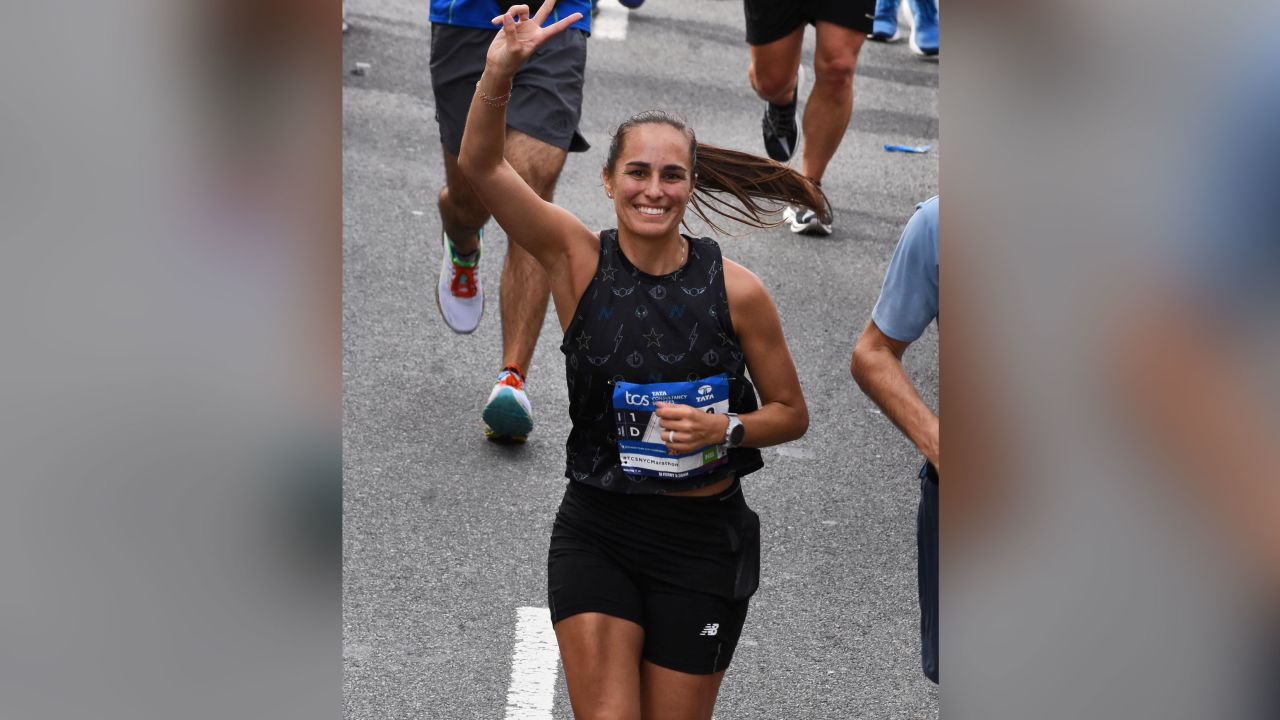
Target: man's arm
(877, 368)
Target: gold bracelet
(493, 102)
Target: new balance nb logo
(710, 629)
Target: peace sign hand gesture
(521, 35)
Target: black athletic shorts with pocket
(683, 568)
(770, 20)
(546, 96)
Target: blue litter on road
(917, 149)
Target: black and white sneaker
(780, 131)
(804, 221)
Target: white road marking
(534, 666)
(611, 22)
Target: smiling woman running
(654, 552)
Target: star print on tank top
(639, 328)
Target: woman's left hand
(521, 35)
(686, 429)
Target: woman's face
(652, 181)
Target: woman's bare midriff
(714, 488)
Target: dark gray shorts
(546, 100)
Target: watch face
(735, 435)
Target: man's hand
(686, 429)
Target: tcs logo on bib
(635, 398)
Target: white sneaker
(804, 221)
(459, 294)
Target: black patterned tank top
(635, 327)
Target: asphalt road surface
(446, 534)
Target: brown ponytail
(733, 184)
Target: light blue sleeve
(909, 297)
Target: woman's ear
(606, 181)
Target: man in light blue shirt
(908, 303)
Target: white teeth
(651, 210)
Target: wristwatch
(734, 432)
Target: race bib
(640, 444)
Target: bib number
(640, 444)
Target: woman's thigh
(671, 695)
(601, 657)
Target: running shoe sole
(506, 418)
(494, 437)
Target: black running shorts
(546, 97)
(683, 568)
(770, 20)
